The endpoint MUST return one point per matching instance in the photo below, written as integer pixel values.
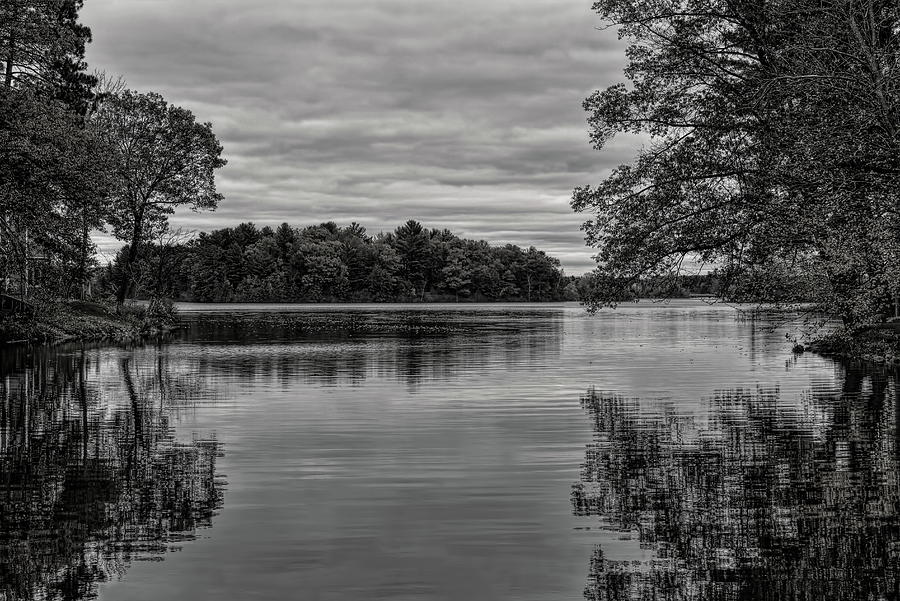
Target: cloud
(464, 115)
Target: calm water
(443, 452)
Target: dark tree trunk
(130, 258)
(7, 80)
(83, 261)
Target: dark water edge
(59, 322)
(668, 452)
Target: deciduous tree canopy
(163, 159)
(772, 154)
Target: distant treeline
(709, 284)
(330, 263)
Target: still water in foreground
(483, 452)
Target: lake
(522, 452)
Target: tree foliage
(42, 46)
(53, 179)
(772, 151)
(163, 159)
(52, 167)
(80, 153)
(327, 262)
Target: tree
(157, 272)
(323, 276)
(383, 282)
(209, 279)
(772, 152)
(53, 179)
(49, 167)
(359, 262)
(42, 48)
(164, 159)
(411, 242)
(457, 274)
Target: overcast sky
(465, 115)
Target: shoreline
(880, 346)
(85, 321)
(81, 321)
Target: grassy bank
(78, 320)
(879, 344)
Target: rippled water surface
(448, 452)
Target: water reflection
(334, 348)
(92, 475)
(763, 498)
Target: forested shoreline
(330, 263)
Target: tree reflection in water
(764, 500)
(91, 474)
(334, 348)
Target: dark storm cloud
(464, 115)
